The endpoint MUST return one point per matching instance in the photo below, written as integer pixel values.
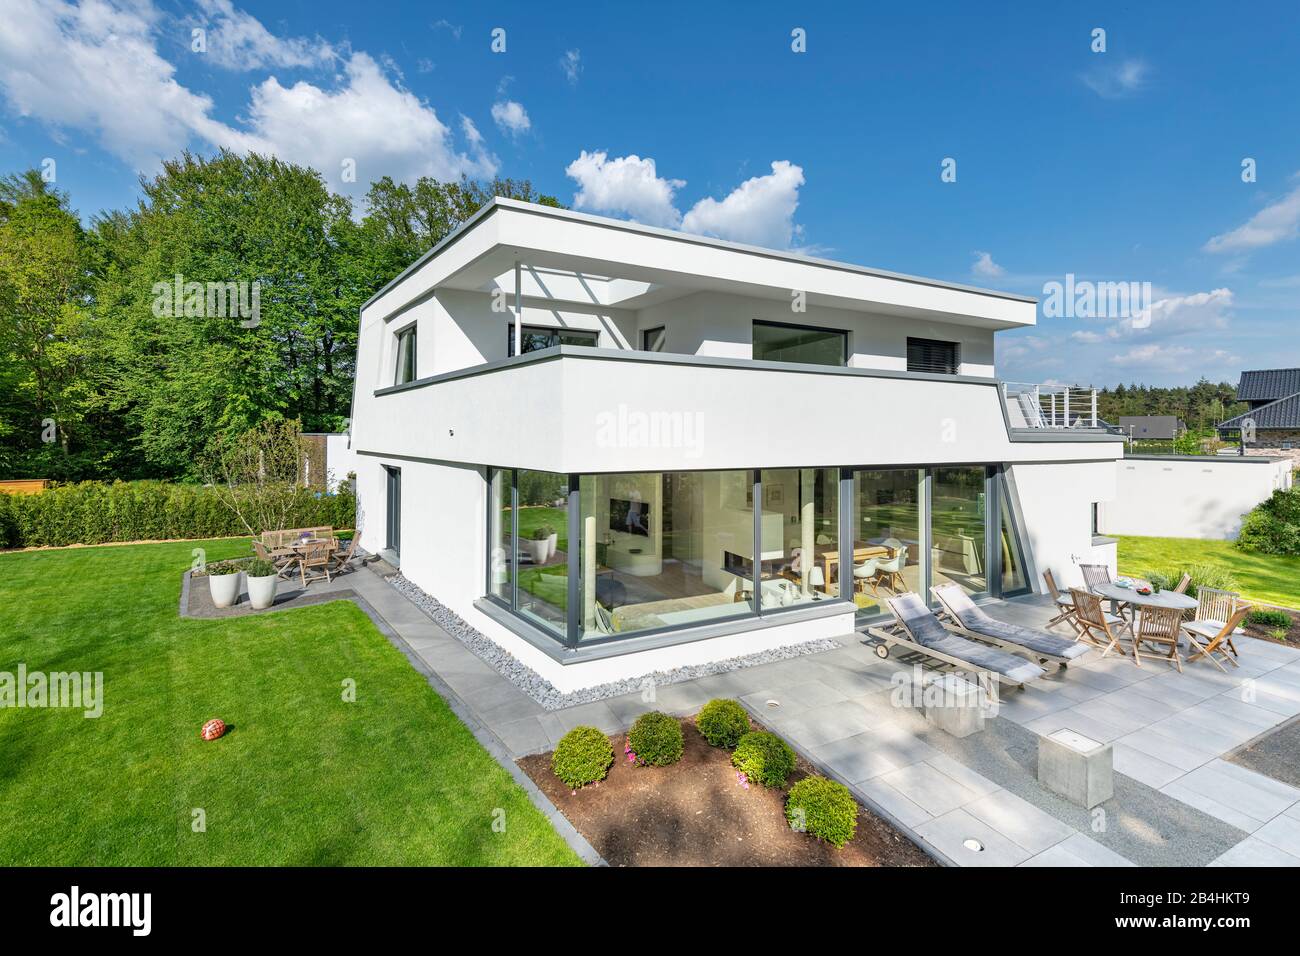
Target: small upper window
(652, 340)
(778, 342)
(932, 355)
(406, 355)
(536, 337)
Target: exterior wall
(1056, 507)
(1193, 497)
(1269, 442)
(340, 459)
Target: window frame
(409, 332)
(526, 330)
(768, 323)
(927, 343)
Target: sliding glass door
(888, 545)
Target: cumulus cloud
(571, 64)
(1276, 222)
(238, 41)
(1114, 79)
(95, 67)
(759, 211)
(511, 117)
(985, 267)
(627, 185)
(1084, 337)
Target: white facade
(1194, 497)
(703, 404)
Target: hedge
(96, 512)
(1273, 526)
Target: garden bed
(1289, 635)
(696, 812)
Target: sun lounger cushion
(973, 618)
(928, 631)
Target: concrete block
(1077, 767)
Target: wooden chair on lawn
(1162, 627)
(315, 558)
(1097, 623)
(1064, 604)
(1215, 644)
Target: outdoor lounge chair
(918, 629)
(971, 620)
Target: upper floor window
(406, 355)
(932, 355)
(535, 337)
(652, 340)
(778, 342)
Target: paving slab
(1020, 821)
(949, 833)
(1152, 771)
(888, 799)
(1254, 852)
(872, 754)
(1282, 832)
(930, 788)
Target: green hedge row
(95, 512)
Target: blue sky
(1122, 165)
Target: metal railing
(1050, 406)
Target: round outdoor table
(1155, 599)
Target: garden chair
(1159, 626)
(1208, 648)
(968, 618)
(1213, 609)
(1184, 583)
(341, 561)
(273, 547)
(1097, 623)
(1095, 574)
(314, 559)
(1064, 604)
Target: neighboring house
(1152, 427)
(328, 459)
(712, 432)
(1272, 425)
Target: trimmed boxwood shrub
(583, 756)
(97, 512)
(722, 723)
(764, 758)
(823, 808)
(1267, 617)
(656, 739)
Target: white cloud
(1085, 337)
(1192, 313)
(238, 41)
(511, 117)
(1153, 355)
(571, 64)
(1113, 79)
(95, 67)
(759, 211)
(628, 185)
(1276, 222)
(985, 267)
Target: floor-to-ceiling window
(887, 539)
(664, 550)
(957, 524)
(801, 535)
(501, 534)
(1014, 578)
(542, 525)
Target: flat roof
(500, 202)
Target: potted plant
(552, 541)
(539, 545)
(223, 582)
(262, 580)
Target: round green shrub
(823, 808)
(764, 758)
(582, 757)
(722, 723)
(656, 739)
(1267, 617)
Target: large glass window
(777, 342)
(664, 550)
(887, 549)
(501, 534)
(957, 527)
(534, 338)
(1013, 561)
(542, 525)
(801, 521)
(405, 355)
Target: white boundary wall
(1189, 497)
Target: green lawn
(532, 518)
(304, 778)
(1274, 579)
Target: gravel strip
(546, 694)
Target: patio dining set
(314, 553)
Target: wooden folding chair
(1097, 623)
(316, 559)
(274, 547)
(1196, 637)
(1161, 627)
(1064, 604)
(1183, 584)
(1095, 574)
(1213, 608)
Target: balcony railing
(1050, 406)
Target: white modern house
(616, 449)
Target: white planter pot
(538, 550)
(551, 544)
(261, 591)
(225, 588)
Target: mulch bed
(697, 813)
(1293, 632)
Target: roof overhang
(592, 261)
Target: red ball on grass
(213, 729)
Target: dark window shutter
(932, 355)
